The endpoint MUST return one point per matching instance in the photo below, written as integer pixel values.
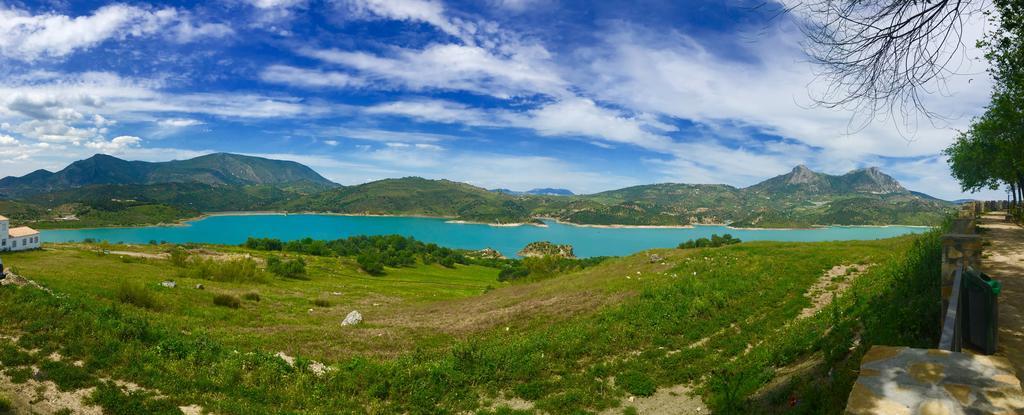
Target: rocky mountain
(804, 180)
(219, 169)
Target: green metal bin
(981, 310)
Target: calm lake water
(587, 241)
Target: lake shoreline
(455, 221)
(233, 228)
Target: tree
(881, 55)
(371, 263)
(991, 151)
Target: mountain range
(218, 169)
(103, 188)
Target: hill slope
(418, 196)
(217, 169)
(230, 182)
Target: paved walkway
(1004, 261)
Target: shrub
(251, 296)
(226, 300)
(239, 270)
(370, 262)
(5, 405)
(319, 302)
(636, 383)
(288, 268)
(11, 356)
(542, 267)
(137, 295)
(178, 257)
(714, 242)
(389, 250)
(67, 377)
(115, 401)
(264, 244)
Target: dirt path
(1004, 261)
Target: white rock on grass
(169, 284)
(355, 317)
(287, 359)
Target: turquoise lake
(587, 241)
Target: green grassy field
(721, 321)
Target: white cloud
(518, 6)
(583, 117)
(523, 71)
(186, 32)
(273, 4)
(71, 95)
(307, 78)
(179, 122)
(332, 143)
(8, 140)
(434, 111)
(116, 145)
(30, 37)
(369, 134)
(426, 11)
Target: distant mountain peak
(873, 180)
(212, 169)
(804, 180)
(803, 175)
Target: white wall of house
(20, 243)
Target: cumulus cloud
(8, 140)
(115, 145)
(29, 37)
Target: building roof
(2, 217)
(22, 231)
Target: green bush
(6, 406)
(636, 383)
(226, 300)
(389, 250)
(251, 296)
(178, 257)
(67, 377)
(114, 401)
(370, 263)
(238, 270)
(288, 268)
(136, 294)
(714, 242)
(11, 356)
(541, 267)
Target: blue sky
(519, 94)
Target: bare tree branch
(883, 56)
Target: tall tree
(991, 152)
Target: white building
(17, 239)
